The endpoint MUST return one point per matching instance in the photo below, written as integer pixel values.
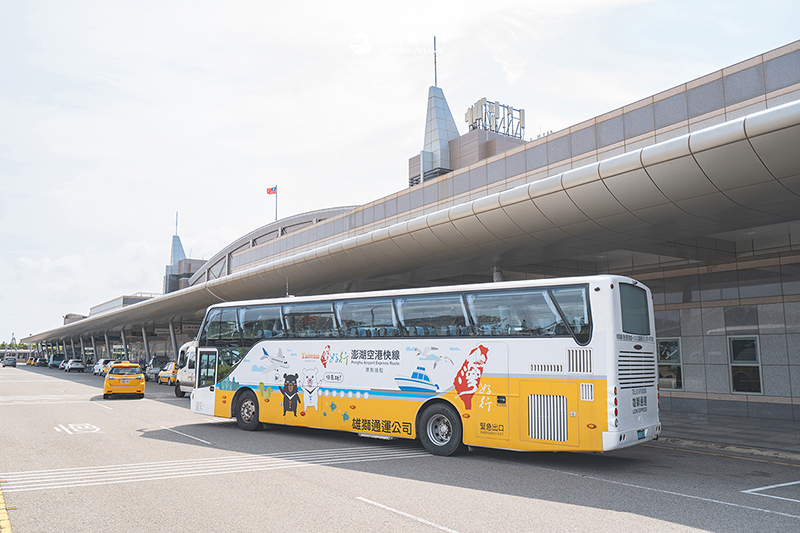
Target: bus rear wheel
(247, 412)
(440, 430)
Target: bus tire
(178, 392)
(247, 412)
(440, 429)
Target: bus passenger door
(490, 404)
(205, 380)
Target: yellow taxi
(168, 374)
(123, 377)
(31, 360)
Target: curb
(732, 448)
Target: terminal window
(669, 364)
(745, 365)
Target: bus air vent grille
(579, 360)
(541, 367)
(587, 392)
(547, 417)
(636, 369)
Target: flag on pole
(272, 190)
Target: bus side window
(431, 316)
(367, 318)
(515, 313)
(262, 322)
(311, 320)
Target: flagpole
(274, 190)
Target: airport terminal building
(694, 191)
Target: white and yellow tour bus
(547, 365)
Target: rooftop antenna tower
(176, 222)
(435, 73)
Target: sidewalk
(776, 438)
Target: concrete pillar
(83, 349)
(94, 349)
(108, 346)
(72, 347)
(146, 346)
(174, 340)
(124, 344)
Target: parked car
(100, 365)
(154, 367)
(42, 361)
(169, 374)
(124, 377)
(74, 364)
(31, 360)
(55, 360)
(106, 368)
(10, 360)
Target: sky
(115, 116)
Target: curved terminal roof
(220, 263)
(739, 174)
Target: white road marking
(671, 493)
(188, 436)
(757, 492)
(403, 513)
(103, 406)
(59, 479)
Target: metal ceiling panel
(580, 176)
(762, 196)
(527, 216)
(635, 190)
(595, 200)
(662, 152)
(777, 150)
(447, 232)
(499, 223)
(733, 165)
(560, 209)
(428, 240)
(621, 164)
(680, 179)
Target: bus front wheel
(440, 430)
(247, 412)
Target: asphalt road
(72, 461)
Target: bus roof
(444, 289)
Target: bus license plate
(640, 434)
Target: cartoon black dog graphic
(290, 396)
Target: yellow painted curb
(5, 523)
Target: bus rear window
(635, 317)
